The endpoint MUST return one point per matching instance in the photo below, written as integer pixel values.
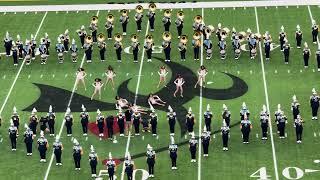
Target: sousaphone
(124, 12)
(180, 14)
(110, 17)
(152, 7)
(94, 19)
(149, 38)
(118, 37)
(197, 19)
(88, 39)
(166, 36)
(101, 37)
(134, 38)
(139, 9)
(167, 13)
(184, 39)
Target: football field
(257, 82)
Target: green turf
(239, 163)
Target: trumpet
(167, 13)
(149, 38)
(184, 39)
(139, 9)
(166, 36)
(198, 19)
(118, 37)
(88, 39)
(110, 17)
(180, 14)
(152, 7)
(134, 38)
(94, 19)
(101, 37)
(124, 12)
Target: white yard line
(267, 101)
(188, 5)
(200, 106)
(21, 66)
(311, 18)
(135, 100)
(63, 121)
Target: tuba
(198, 19)
(149, 38)
(134, 38)
(166, 36)
(139, 9)
(184, 39)
(94, 19)
(196, 36)
(152, 7)
(180, 14)
(118, 37)
(101, 37)
(224, 32)
(124, 12)
(167, 13)
(110, 17)
(257, 36)
(88, 39)
(242, 36)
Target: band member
(202, 72)
(68, 121)
(109, 25)
(42, 147)
(27, 52)
(128, 114)
(208, 118)
(281, 121)
(198, 25)
(267, 45)
(298, 36)
(295, 105)
(148, 45)
(43, 51)
(151, 160)
(151, 15)
(282, 37)
(13, 136)
(124, 19)
(15, 52)
(155, 100)
(77, 153)
(173, 148)
(97, 87)
(306, 55)
(252, 42)
(205, 140)
(182, 46)
(193, 147)
(136, 120)
(66, 40)
(93, 161)
(190, 121)
(245, 127)
(315, 30)
(166, 20)
(102, 47)
(28, 139)
(226, 115)
(57, 150)
(84, 119)
(179, 22)
(244, 111)
(88, 48)
(82, 33)
(166, 45)
(163, 72)
(81, 74)
(225, 133)
(74, 51)
(179, 82)
(43, 123)
(298, 124)
(100, 124)
(172, 118)
(60, 49)
(110, 74)
(109, 123)
(222, 47)
(33, 45)
(236, 47)
(15, 119)
(138, 17)
(314, 103)
(111, 166)
(118, 46)
(8, 44)
(19, 44)
(264, 120)
(129, 166)
(121, 122)
(286, 52)
(122, 103)
(318, 58)
(153, 121)
(196, 43)
(207, 44)
(33, 121)
(94, 28)
(135, 47)
(219, 32)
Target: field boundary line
(63, 121)
(21, 66)
(187, 5)
(267, 100)
(311, 18)
(135, 101)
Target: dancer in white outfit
(81, 74)
(163, 72)
(179, 83)
(202, 72)
(110, 74)
(97, 87)
(155, 100)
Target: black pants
(94, 36)
(173, 160)
(318, 61)
(315, 111)
(281, 45)
(15, 58)
(111, 174)
(100, 128)
(282, 127)
(121, 127)
(314, 36)
(135, 54)
(167, 27)
(299, 130)
(139, 25)
(154, 128)
(205, 148)
(183, 54)
(77, 159)
(196, 52)
(13, 142)
(124, 27)
(286, 57)
(149, 53)
(88, 55)
(118, 52)
(84, 128)
(167, 53)
(245, 134)
(151, 22)
(225, 139)
(93, 165)
(82, 40)
(179, 29)
(306, 61)
(29, 147)
(136, 127)
(264, 129)
(193, 153)
(171, 127)
(299, 40)
(42, 153)
(109, 33)
(58, 156)
(66, 45)
(51, 128)
(267, 53)
(208, 125)
(69, 128)
(33, 127)
(227, 121)
(151, 168)
(129, 176)
(110, 131)
(102, 52)
(190, 127)
(8, 49)
(20, 53)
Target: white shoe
(57, 164)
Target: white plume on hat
(27, 42)
(305, 44)
(128, 156)
(234, 29)
(170, 108)
(73, 41)
(279, 107)
(34, 110)
(264, 108)
(46, 35)
(149, 147)
(219, 25)
(66, 31)
(294, 98)
(171, 139)
(18, 37)
(11, 122)
(32, 37)
(249, 30)
(192, 135)
(298, 27)
(98, 111)
(204, 128)
(7, 35)
(91, 148)
(110, 155)
(282, 28)
(14, 110)
(224, 107)
(83, 108)
(41, 134)
(59, 40)
(75, 141)
(313, 21)
(244, 106)
(82, 27)
(57, 139)
(50, 109)
(208, 107)
(190, 110)
(26, 126)
(68, 111)
(314, 91)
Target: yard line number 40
(288, 172)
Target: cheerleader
(163, 72)
(81, 74)
(100, 123)
(306, 55)
(202, 72)
(121, 103)
(97, 87)
(155, 100)
(179, 82)
(110, 74)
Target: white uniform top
(122, 102)
(179, 81)
(110, 74)
(80, 74)
(202, 73)
(163, 72)
(98, 85)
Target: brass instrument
(166, 36)
(257, 36)
(149, 38)
(139, 9)
(224, 32)
(124, 12)
(198, 19)
(62, 37)
(134, 38)
(180, 14)
(118, 37)
(167, 13)
(196, 35)
(94, 19)
(152, 7)
(110, 17)
(88, 39)
(101, 37)
(242, 35)
(184, 39)
(209, 29)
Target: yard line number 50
(288, 172)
